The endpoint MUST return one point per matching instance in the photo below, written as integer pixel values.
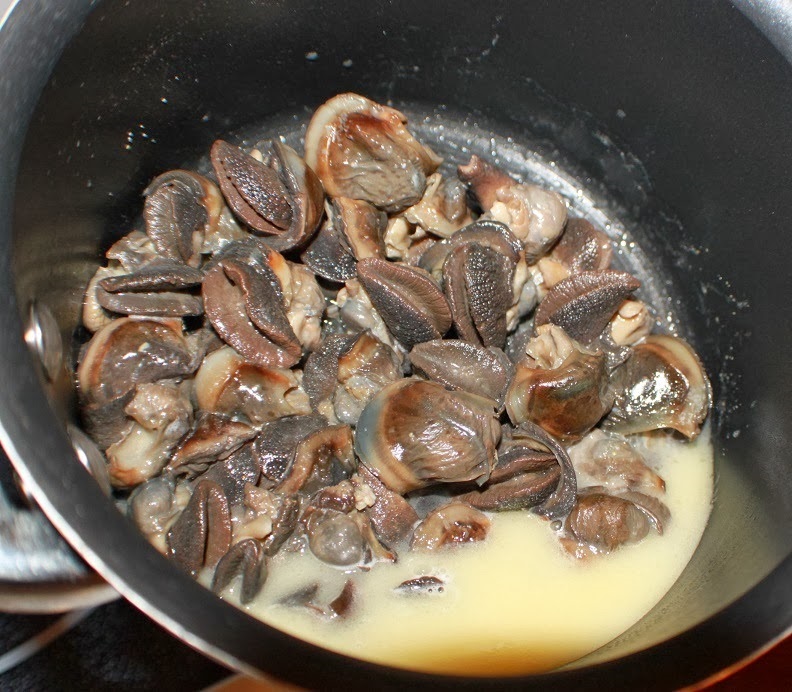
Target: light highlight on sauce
(514, 604)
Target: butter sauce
(516, 603)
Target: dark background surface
(117, 648)
(114, 648)
(770, 672)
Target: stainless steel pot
(676, 117)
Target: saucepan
(674, 116)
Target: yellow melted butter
(513, 604)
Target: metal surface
(42, 335)
(701, 115)
(91, 457)
(39, 572)
(773, 18)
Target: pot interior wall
(693, 92)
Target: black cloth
(115, 648)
